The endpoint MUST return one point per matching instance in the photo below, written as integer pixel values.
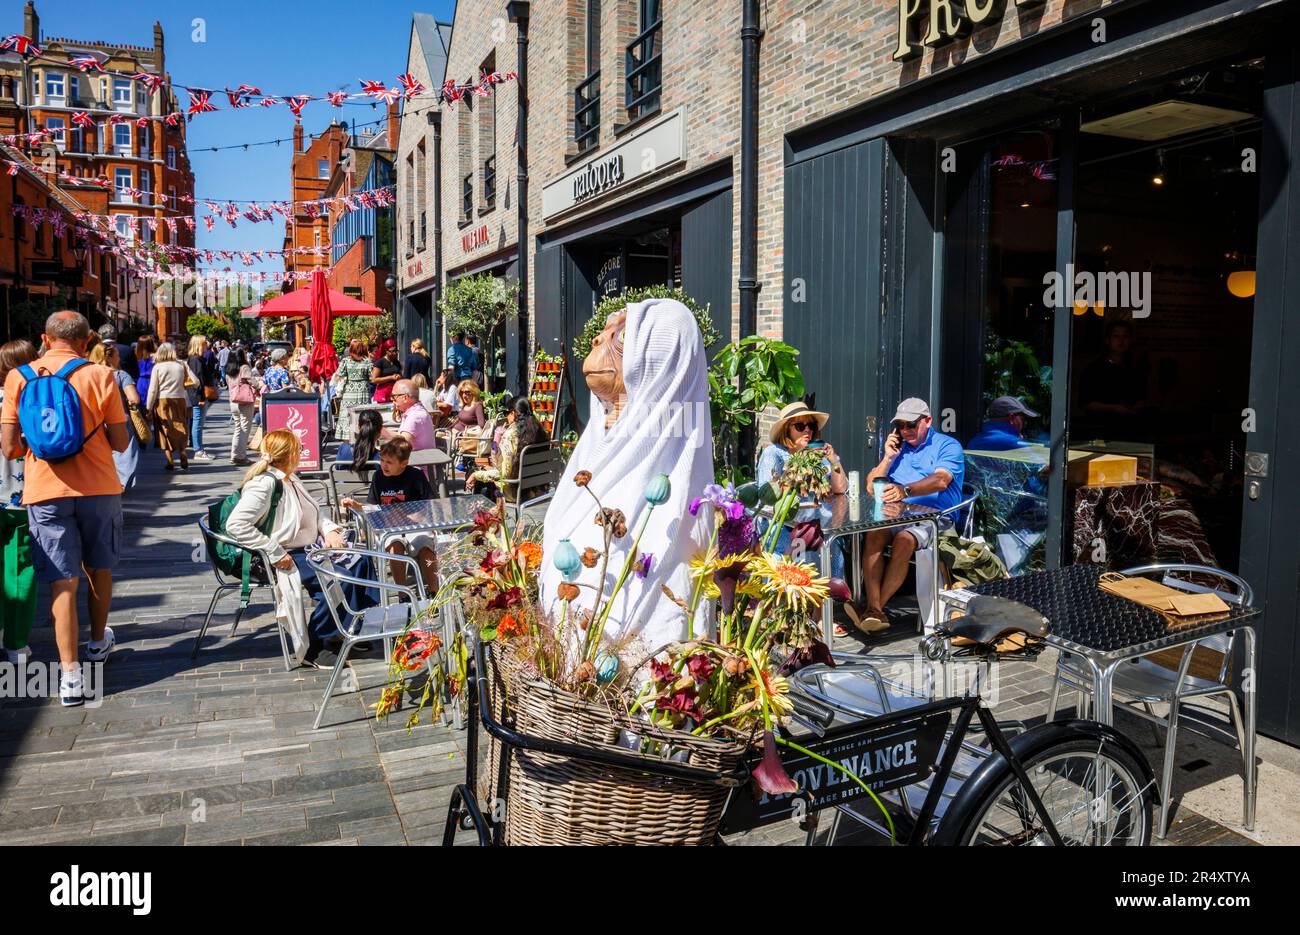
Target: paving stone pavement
(220, 750)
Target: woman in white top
(298, 523)
(169, 401)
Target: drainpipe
(517, 11)
(750, 37)
(436, 340)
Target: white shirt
(299, 519)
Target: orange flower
(532, 553)
(567, 591)
(509, 626)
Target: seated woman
(468, 423)
(522, 430)
(797, 428)
(364, 448)
(297, 523)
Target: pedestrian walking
(145, 348)
(65, 415)
(203, 369)
(352, 380)
(169, 402)
(108, 335)
(127, 462)
(245, 388)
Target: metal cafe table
(383, 524)
(854, 516)
(1104, 631)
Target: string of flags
(247, 95)
(1039, 169)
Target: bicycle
(1073, 782)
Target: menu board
(299, 413)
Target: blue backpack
(49, 411)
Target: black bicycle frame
(465, 804)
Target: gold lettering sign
(944, 20)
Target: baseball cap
(911, 409)
(1005, 406)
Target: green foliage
(274, 331)
(582, 343)
(366, 327)
(213, 327)
(772, 378)
(475, 305)
(494, 404)
(1011, 368)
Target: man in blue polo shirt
(460, 357)
(924, 467)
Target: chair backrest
(257, 572)
(332, 590)
(540, 465)
(345, 482)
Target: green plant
(608, 306)
(366, 327)
(1011, 368)
(494, 404)
(275, 331)
(212, 327)
(475, 305)
(772, 378)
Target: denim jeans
(197, 412)
(321, 628)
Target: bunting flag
(296, 104)
(82, 119)
(267, 102)
(410, 85)
(21, 44)
(13, 168)
(200, 102)
(337, 97)
(85, 63)
(153, 82)
(372, 87)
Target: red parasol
(324, 361)
(298, 304)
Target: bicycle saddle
(990, 620)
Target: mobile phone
(816, 444)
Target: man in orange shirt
(74, 506)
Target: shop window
(644, 61)
(487, 140)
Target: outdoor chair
(540, 467)
(345, 482)
(1203, 671)
(258, 579)
(962, 515)
(384, 622)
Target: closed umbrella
(324, 361)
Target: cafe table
(1104, 631)
(385, 523)
(858, 515)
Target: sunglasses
(801, 426)
(900, 424)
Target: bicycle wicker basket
(565, 800)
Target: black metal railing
(467, 196)
(644, 72)
(410, 238)
(586, 113)
(424, 229)
(489, 182)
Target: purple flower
(694, 508)
(643, 564)
(721, 498)
(770, 774)
(735, 535)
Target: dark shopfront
(1108, 237)
(677, 234)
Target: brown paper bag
(1179, 608)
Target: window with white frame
(146, 186)
(59, 128)
(124, 228)
(171, 157)
(122, 138)
(322, 168)
(121, 182)
(36, 87)
(121, 92)
(53, 85)
(74, 87)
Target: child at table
(397, 481)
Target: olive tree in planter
(369, 328)
(476, 305)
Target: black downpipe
(435, 317)
(750, 37)
(517, 11)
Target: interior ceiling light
(1164, 120)
(1242, 283)
(1159, 178)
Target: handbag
(140, 423)
(210, 393)
(190, 382)
(242, 392)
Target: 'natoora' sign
(597, 176)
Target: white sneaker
(201, 456)
(71, 688)
(98, 652)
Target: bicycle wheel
(1094, 791)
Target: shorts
(415, 542)
(923, 533)
(73, 531)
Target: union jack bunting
(85, 63)
(82, 119)
(372, 88)
(296, 104)
(174, 118)
(12, 170)
(267, 102)
(189, 222)
(115, 119)
(153, 82)
(337, 97)
(142, 122)
(20, 44)
(200, 101)
(451, 91)
(410, 85)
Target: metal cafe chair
(258, 579)
(355, 625)
(1144, 682)
(540, 466)
(345, 482)
(962, 515)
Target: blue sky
(280, 47)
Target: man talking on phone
(924, 467)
